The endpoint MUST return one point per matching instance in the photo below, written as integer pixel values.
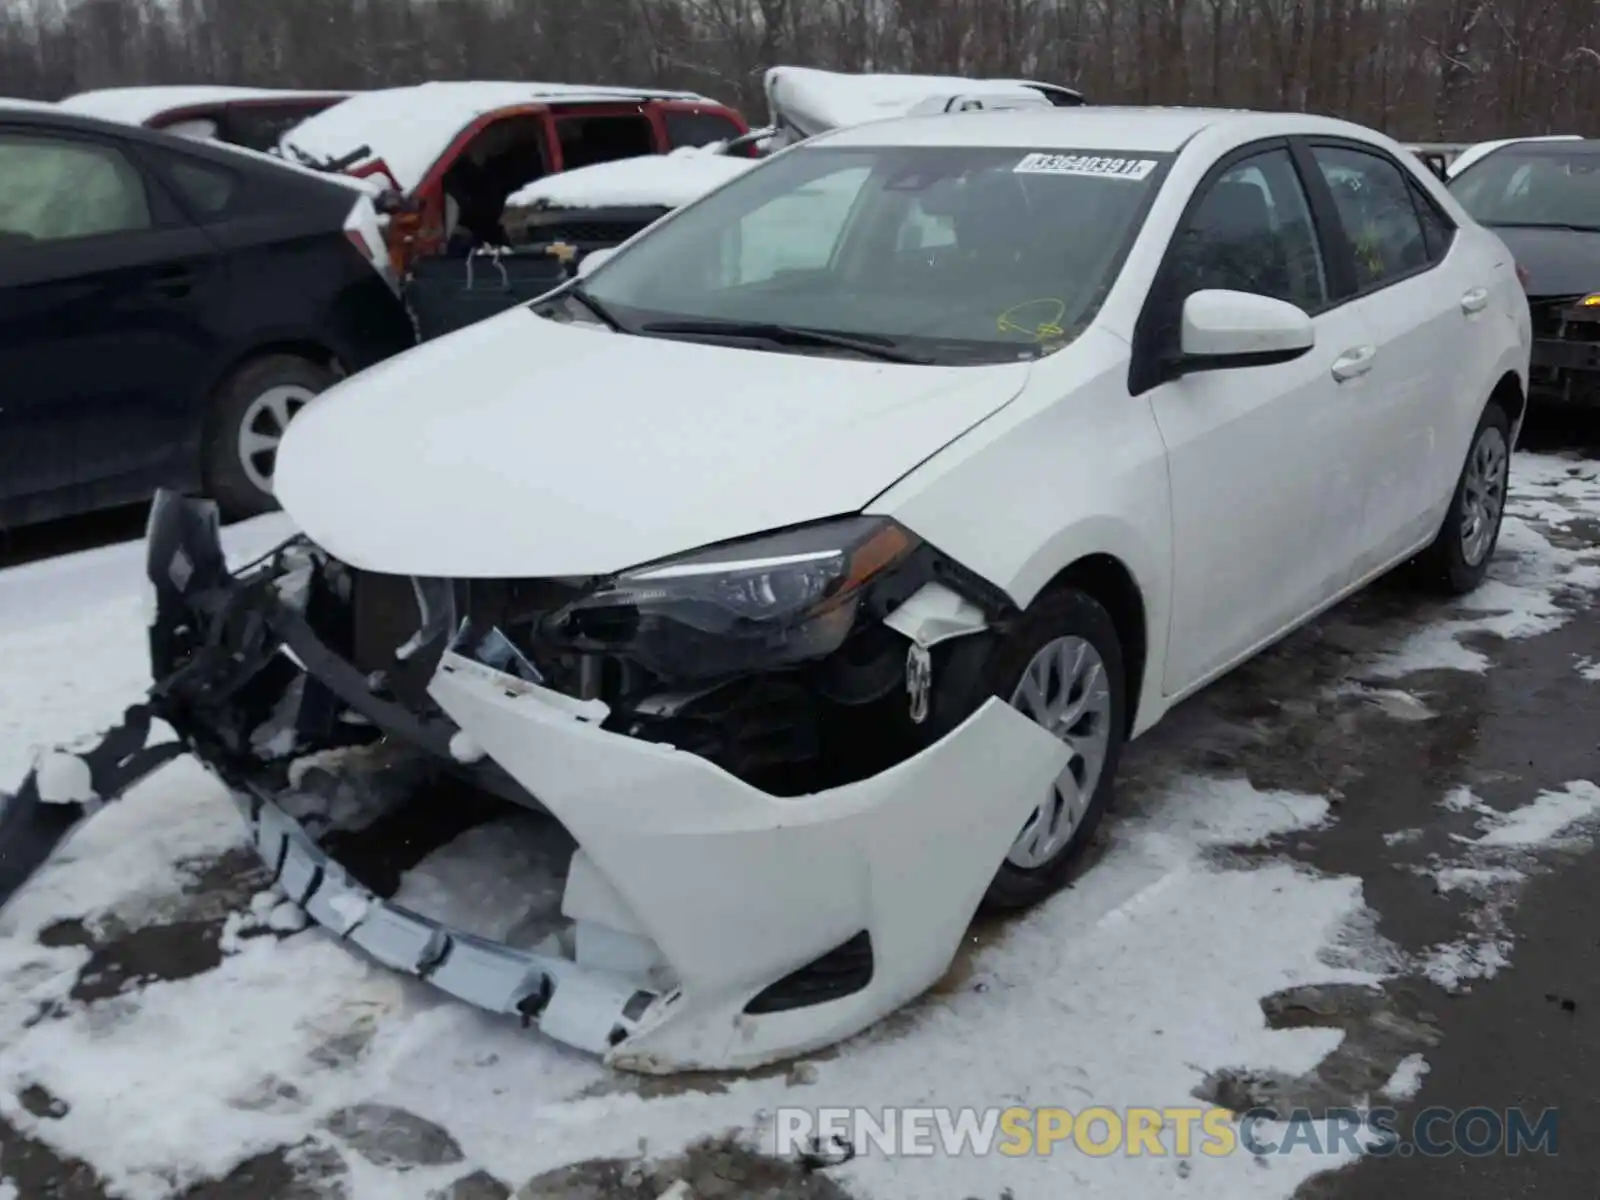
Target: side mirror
(1224, 330)
(593, 259)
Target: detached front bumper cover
(712, 925)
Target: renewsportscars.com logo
(1100, 1132)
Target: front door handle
(1475, 300)
(1354, 362)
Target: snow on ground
(1490, 870)
(1523, 596)
(1124, 990)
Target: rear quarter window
(698, 129)
(204, 189)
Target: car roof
(137, 105)
(51, 116)
(18, 104)
(410, 127)
(1092, 127)
(1481, 150)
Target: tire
(1069, 619)
(259, 398)
(1458, 560)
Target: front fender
(1073, 467)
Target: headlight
(759, 603)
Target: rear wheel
(249, 415)
(1458, 560)
(1061, 666)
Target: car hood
(524, 447)
(1559, 262)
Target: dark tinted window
(589, 140)
(1437, 229)
(58, 189)
(205, 190)
(698, 129)
(1534, 184)
(1252, 232)
(1375, 207)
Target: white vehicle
(1481, 150)
(814, 595)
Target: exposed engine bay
(832, 697)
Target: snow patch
(1589, 669)
(1539, 823)
(64, 779)
(1530, 578)
(667, 180)
(1490, 871)
(1406, 1081)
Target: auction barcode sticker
(1086, 164)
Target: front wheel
(249, 415)
(1458, 560)
(1062, 667)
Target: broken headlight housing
(754, 604)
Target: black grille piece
(842, 971)
(585, 229)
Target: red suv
(448, 155)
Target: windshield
(952, 254)
(1550, 185)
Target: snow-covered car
(448, 155)
(254, 118)
(600, 207)
(810, 591)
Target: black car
(166, 305)
(1543, 200)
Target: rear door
(104, 290)
(1419, 299)
(1263, 460)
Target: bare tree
(1451, 69)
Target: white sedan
(811, 559)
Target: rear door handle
(174, 281)
(1354, 362)
(1475, 300)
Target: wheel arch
(1114, 587)
(1510, 395)
(294, 346)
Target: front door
(1265, 486)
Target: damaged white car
(809, 585)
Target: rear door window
(698, 129)
(589, 140)
(1377, 211)
(58, 189)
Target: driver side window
(795, 232)
(1252, 232)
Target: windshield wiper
(577, 292)
(793, 335)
